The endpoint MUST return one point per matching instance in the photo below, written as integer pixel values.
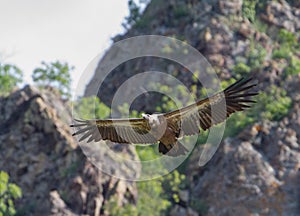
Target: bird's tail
(177, 149)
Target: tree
(135, 12)
(8, 193)
(10, 76)
(54, 74)
(90, 107)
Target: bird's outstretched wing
(213, 110)
(135, 130)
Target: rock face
(215, 28)
(281, 14)
(256, 173)
(41, 156)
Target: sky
(73, 31)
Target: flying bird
(168, 128)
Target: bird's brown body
(167, 128)
(165, 134)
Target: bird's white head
(145, 116)
(152, 119)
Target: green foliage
(125, 111)
(273, 104)
(260, 25)
(248, 9)
(112, 208)
(147, 153)
(90, 108)
(237, 122)
(288, 50)
(241, 69)
(256, 55)
(293, 67)
(179, 93)
(288, 45)
(167, 105)
(282, 52)
(55, 74)
(9, 192)
(172, 184)
(287, 38)
(226, 83)
(10, 76)
(150, 197)
(161, 192)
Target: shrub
(90, 108)
(275, 104)
(237, 122)
(294, 66)
(152, 197)
(256, 55)
(9, 192)
(287, 38)
(248, 9)
(10, 76)
(112, 208)
(241, 69)
(55, 74)
(282, 53)
(288, 45)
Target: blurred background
(44, 48)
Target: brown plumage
(168, 127)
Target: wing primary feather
(78, 125)
(240, 82)
(83, 130)
(91, 137)
(241, 100)
(80, 120)
(235, 97)
(84, 136)
(238, 90)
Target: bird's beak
(144, 116)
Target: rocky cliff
(255, 173)
(219, 30)
(41, 156)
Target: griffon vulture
(167, 128)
